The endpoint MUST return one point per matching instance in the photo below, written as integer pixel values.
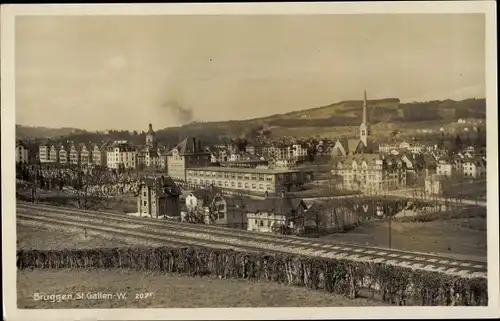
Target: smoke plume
(180, 115)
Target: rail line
(173, 233)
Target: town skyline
(207, 71)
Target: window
(239, 184)
(144, 193)
(261, 223)
(145, 203)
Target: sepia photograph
(157, 158)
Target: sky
(123, 72)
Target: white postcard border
(8, 12)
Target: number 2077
(141, 296)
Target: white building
(121, 155)
(474, 168)
(299, 152)
(434, 185)
(44, 153)
(444, 168)
(22, 153)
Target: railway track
(178, 234)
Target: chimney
(150, 127)
(194, 144)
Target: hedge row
(396, 285)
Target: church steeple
(363, 128)
(364, 110)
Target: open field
(169, 291)
(120, 204)
(458, 236)
(39, 238)
(469, 190)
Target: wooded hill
(342, 115)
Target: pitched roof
(163, 185)
(207, 194)
(187, 146)
(278, 205)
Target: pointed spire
(364, 110)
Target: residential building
(250, 149)
(85, 155)
(444, 167)
(54, 153)
(235, 157)
(22, 153)
(370, 173)
(326, 217)
(434, 184)
(159, 197)
(249, 179)
(219, 155)
(214, 206)
(187, 154)
(121, 155)
(299, 152)
(474, 168)
(274, 214)
(63, 154)
(99, 154)
(44, 153)
(387, 148)
(74, 154)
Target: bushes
(397, 285)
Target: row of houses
(228, 153)
(161, 197)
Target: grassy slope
(458, 236)
(169, 291)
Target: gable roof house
(326, 217)
(158, 197)
(274, 214)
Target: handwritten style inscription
(62, 297)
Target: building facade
(121, 155)
(85, 155)
(370, 173)
(272, 214)
(99, 155)
(158, 198)
(189, 153)
(249, 179)
(44, 153)
(22, 153)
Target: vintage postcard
(249, 161)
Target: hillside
(336, 119)
(23, 132)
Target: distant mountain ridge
(340, 115)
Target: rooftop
(247, 170)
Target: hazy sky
(124, 72)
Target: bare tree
(90, 187)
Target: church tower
(150, 137)
(364, 129)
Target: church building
(363, 145)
